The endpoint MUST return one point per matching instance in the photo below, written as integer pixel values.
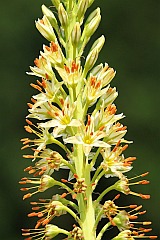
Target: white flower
(70, 73)
(114, 163)
(53, 53)
(62, 118)
(106, 117)
(88, 137)
(93, 90)
(42, 69)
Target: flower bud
(52, 230)
(76, 34)
(62, 14)
(45, 28)
(108, 97)
(91, 24)
(98, 43)
(91, 59)
(56, 3)
(96, 70)
(107, 76)
(82, 9)
(49, 14)
(93, 14)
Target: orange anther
(132, 217)
(54, 47)
(124, 147)
(143, 182)
(144, 174)
(44, 83)
(89, 120)
(27, 168)
(35, 208)
(33, 214)
(24, 189)
(63, 195)
(46, 221)
(67, 69)
(29, 122)
(144, 196)
(28, 195)
(40, 214)
(28, 156)
(36, 62)
(76, 176)
(28, 129)
(37, 225)
(47, 48)
(30, 105)
(36, 87)
(132, 206)
(24, 147)
(64, 180)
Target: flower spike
(75, 126)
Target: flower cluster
(75, 126)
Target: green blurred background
(132, 47)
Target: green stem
(65, 232)
(61, 145)
(85, 109)
(95, 157)
(89, 221)
(99, 237)
(96, 174)
(70, 203)
(69, 190)
(103, 194)
(72, 214)
(98, 218)
(74, 52)
(68, 165)
(99, 177)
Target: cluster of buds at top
(76, 127)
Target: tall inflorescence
(74, 113)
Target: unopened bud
(91, 59)
(93, 15)
(49, 14)
(82, 9)
(76, 34)
(62, 14)
(96, 70)
(91, 23)
(108, 76)
(56, 3)
(45, 28)
(98, 43)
